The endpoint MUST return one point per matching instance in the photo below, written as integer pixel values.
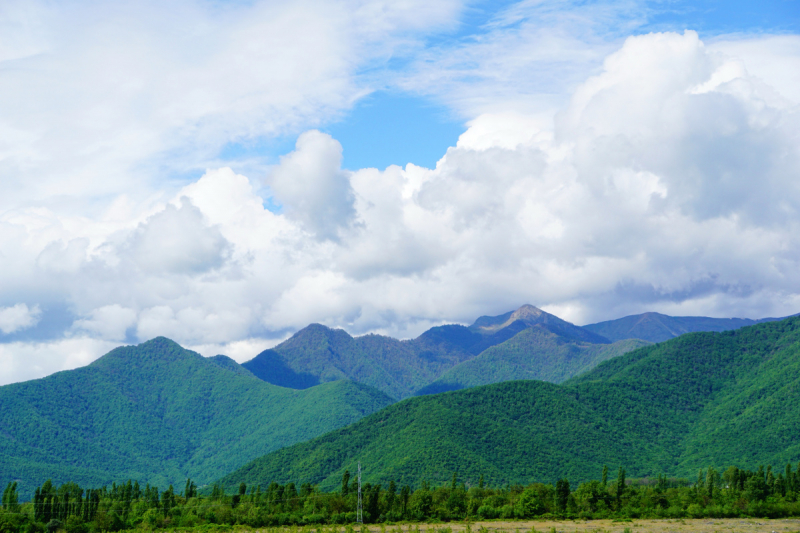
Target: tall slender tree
(345, 482)
(620, 486)
(562, 495)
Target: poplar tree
(562, 495)
(390, 496)
(710, 480)
(405, 494)
(620, 486)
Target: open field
(737, 525)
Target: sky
(225, 173)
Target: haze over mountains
(655, 327)
(158, 413)
(698, 400)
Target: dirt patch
(707, 525)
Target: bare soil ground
(708, 525)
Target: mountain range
(159, 413)
(527, 343)
(402, 368)
(699, 400)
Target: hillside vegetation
(700, 399)
(534, 353)
(158, 413)
(128, 506)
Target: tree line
(732, 493)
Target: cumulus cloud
(177, 240)
(106, 99)
(18, 317)
(312, 186)
(21, 361)
(110, 322)
(666, 181)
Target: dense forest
(159, 413)
(729, 493)
(702, 398)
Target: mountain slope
(158, 413)
(534, 353)
(700, 399)
(655, 327)
(317, 354)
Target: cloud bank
(666, 180)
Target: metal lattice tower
(359, 511)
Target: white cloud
(177, 240)
(21, 361)
(312, 186)
(109, 99)
(527, 59)
(666, 181)
(773, 60)
(110, 322)
(18, 317)
(239, 351)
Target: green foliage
(120, 507)
(703, 398)
(11, 498)
(159, 413)
(533, 353)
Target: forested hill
(534, 353)
(655, 327)
(158, 413)
(701, 399)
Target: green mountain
(533, 353)
(698, 400)
(655, 327)
(317, 354)
(158, 413)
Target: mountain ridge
(657, 327)
(705, 398)
(399, 368)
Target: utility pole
(359, 511)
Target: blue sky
(224, 174)
(393, 127)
